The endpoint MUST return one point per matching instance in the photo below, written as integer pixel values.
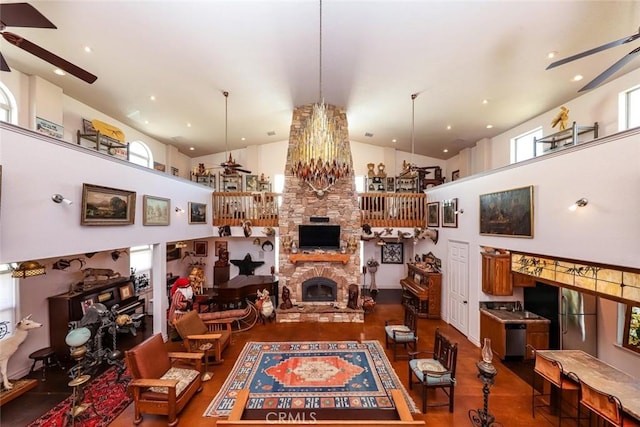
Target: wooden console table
(319, 257)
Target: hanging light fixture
(323, 155)
(410, 166)
(28, 269)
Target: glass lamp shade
(487, 353)
(28, 269)
(77, 337)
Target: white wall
(605, 231)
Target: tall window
(7, 297)
(523, 147)
(629, 105)
(140, 259)
(8, 106)
(140, 154)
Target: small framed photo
(392, 253)
(155, 210)
(87, 127)
(433, 214)
(126, 291)
(107, 206)
(200, 248)
(220, 245)
(450, 213)
(391, 184)
(455, 175)
(417, 278)
(251, 183)
(86, 304)
(197, 213)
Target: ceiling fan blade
(594, 50)
(611, 70)
(23, 15)
(242, 170)
(3, 64)
(50, 57)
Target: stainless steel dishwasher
(516, 339)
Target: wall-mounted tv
(319, 236)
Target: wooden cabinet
(68, 307)
(537, 337)
(496, 274)
(423, 289)
(494, 330)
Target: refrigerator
(572, 314)
(578, 321)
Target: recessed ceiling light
(485, 101)
(489, 126)
(577, 78)
(394, 140)
(146, 122)
(243, 138)
(192, 148)
(448, 127)
(59, 72)
(445, 150)
(552, 54)
(188, 125)
(88, 49)
(152, 97)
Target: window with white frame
(524, 147)
(629, 106)
(140, 259)
(140, 154)
(7, 298)
(8, 106)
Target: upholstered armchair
(158, 386)
(210, 337)
(402, 333)
(436, 371)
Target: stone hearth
(340, 205)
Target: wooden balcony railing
(393, 209)
(376, 209)
(234, 208)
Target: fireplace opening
(318, 289)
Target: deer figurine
(10, 344)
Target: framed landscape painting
(433, 214)
(507, 213)
(107, 206)
(155, 210)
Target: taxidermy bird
(403, 235)
(387, 232)
(561, 118)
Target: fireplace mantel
(319, 257)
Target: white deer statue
(10, 344)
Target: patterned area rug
(109, 398)
(310, 376)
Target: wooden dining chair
(403, 333)
(605, 406)
(551, 371)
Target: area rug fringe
(278, 373)
(109, 398)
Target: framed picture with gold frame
(155, 210)
(433, 214)
(126, 291)
(107, 206)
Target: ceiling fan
(229, 166)
(25, 15)
(609, 71)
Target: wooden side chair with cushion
(605, 406)
(210, 337)
(551, 371)
(402, 333)
(435, 372)
(158, 386)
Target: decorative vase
(372, 270)
(487, 354)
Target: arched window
(140, 154)
(8, 106)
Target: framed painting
(450, 213)
(392, 253)
(220, 244)
(86, 304)
(173, 252)
(251, 183)
(200, 248)
(197, 213)
(107, 206)
(433, 214)
(455, 175)
(507, 213)
(159, 167)
(126, 291)
(155, 210)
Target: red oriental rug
(108, 397)
(331, 379)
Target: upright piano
(422, 290)
(70, 306)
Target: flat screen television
(319, 236)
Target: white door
(458, 260)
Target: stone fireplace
(300, 203)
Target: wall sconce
(459, 211)
(181, 245)
(59, 198)
(28, 269)
(580, 203)
(179, 209)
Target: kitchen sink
(530, 315)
